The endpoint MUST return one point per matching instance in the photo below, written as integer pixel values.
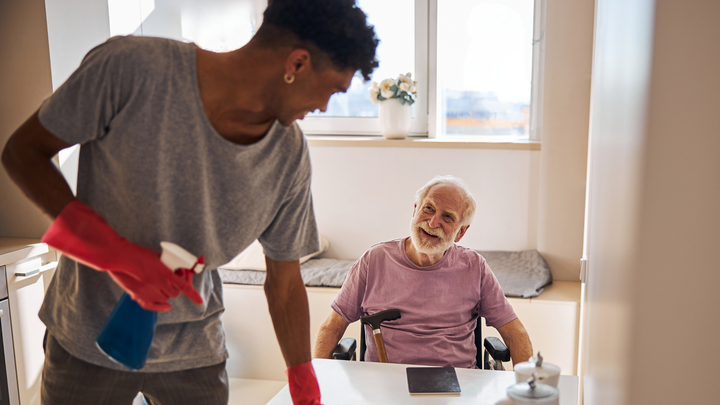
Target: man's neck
(419, 258)
(234, 87)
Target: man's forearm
(517, 340)
(520, 350)
(27, 160)
(330, 333)
(288, 305)
(326, 343)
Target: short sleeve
(348, 303)
(293, 232)
(83, 107)
(493, 306)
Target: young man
(439, 287)
(197, 148)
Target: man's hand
(287, 301)
(303, 385)
(517, 340)
(83, 235)
(329, 335)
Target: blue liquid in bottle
(128, 333)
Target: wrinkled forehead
(446, 197)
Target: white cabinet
(29, 267)
(250, 336)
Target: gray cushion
(520, 274)
(315, 273)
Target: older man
(439, 287)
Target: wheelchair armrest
(345, 350)
(497, 349)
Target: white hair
(469, 214)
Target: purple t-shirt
(440, 304)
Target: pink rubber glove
(304, 388)
(83, 235)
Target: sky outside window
(485, 66)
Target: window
(478, 63)
(484, 66)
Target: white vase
(395, 118)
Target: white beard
(425, 246)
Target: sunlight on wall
(218, 26)
(127, 16)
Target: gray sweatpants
(69, 380)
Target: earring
(289, 79)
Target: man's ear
(461, 233)
(297, 62)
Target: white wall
(621, 76)
(653, 224)
(677, 277)
(365, 195)
(24, 83)
(566, 111)
(74, 27)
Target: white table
(244, 391)
(353, 382)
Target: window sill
(422, 142)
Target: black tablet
(432, 380)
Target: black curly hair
(337, 28)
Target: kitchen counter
(16, 249)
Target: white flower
(405, 79)
(385, 88)
(413, 89)
(404, 86)
(374, 91)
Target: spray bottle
(128, 332)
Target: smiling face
(311, 91)
(437, 220)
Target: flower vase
(395, 118)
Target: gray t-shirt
(154, 167)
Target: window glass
(484, 50)
(394, 23)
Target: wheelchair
(491, 353)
